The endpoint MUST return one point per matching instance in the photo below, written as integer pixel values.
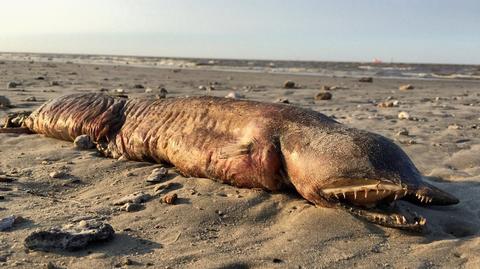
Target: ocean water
(338, 69)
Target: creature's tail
(96, 115)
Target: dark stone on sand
(162, 94)
(138, 86)
(70, 237)
(323, 96)
(289, 84)
(157, 175)
(40, 78)
(282, 100)
(366, 79)
(4, 102)
(54, 83)
(13, 84)
(8, 222)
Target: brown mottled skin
(243, 143)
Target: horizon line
(237, 59)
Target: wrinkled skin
(251, 145)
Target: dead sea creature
(251, 145)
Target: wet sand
(213, 225)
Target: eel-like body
(250, 144)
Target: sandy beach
(213, 225)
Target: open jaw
(374, 201)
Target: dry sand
(219, 226)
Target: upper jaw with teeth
(369, 193)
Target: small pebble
(282, 100)
(162, 94)
(403, 132)
(138, 197)
(323, 96)
(8, 222)
(132, 207)
(289, 84)
(390, 103)
(454, 127)
(157, 175)
(4, 101)
(366, 79)
(58, 174)
(403, 115)
(170, 198)
(13, 84)
(234, 95)
(83, 142)
(406, 87)
(162, 187)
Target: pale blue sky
(345, 30)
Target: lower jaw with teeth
(358, 197)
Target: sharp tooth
(398, 219)
(344, 196)
(423, 221)
(336, 196)
(378, 191)
(404, 220)
(354, 194)
(421, 199)
(384, 191)
(366, 193)
(406, 191)
(396, 197)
